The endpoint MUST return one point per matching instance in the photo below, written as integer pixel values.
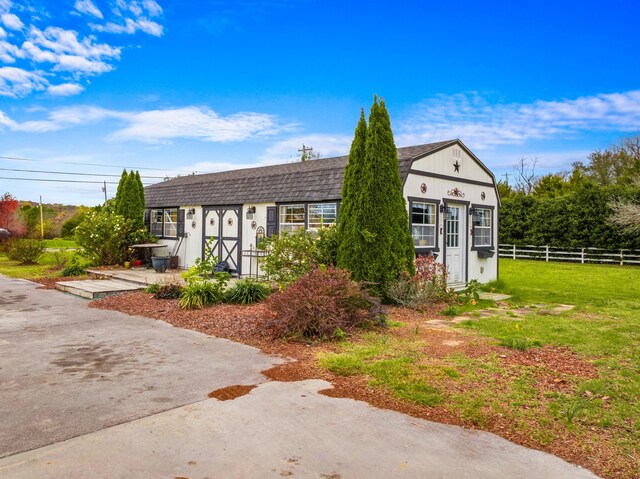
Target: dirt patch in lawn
(551, 370)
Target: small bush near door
(323, 304)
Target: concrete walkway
(90, 393)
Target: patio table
(147, 249)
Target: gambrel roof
(313, 180)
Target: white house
(451, 197)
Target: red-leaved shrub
(323, 303)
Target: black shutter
(180, 225)
(272, 220)
(147, 219)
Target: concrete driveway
(91, 393)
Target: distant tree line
(596, 204)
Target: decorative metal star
(456, 167)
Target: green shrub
(103, 237)
(291, 255)
(59, 257)
(322, 304)
(152, 288)
(247, 291)
(199, 294)
(519, 343)
(68, 227)
(73, 268)
(27, 251)
(327, 245)
(168, 291)
(427, 286)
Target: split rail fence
(577, 255)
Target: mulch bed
(550, 364)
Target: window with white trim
(322, 214)
(170, 222)
(291, 218)
(164, 222)
(482, 227)
(423, 224)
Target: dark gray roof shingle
(314, 180)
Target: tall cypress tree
(382, 247)
(351, 211)
(138, 211)
(117, 201)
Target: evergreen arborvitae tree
(377, 244)
(351, 210)
(138, 211)
(117, 201)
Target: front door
(455, 228)
(224, 225)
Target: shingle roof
(314, 180)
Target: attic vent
(456, 153)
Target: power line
(16, 158)
(62, 181)
(77, 174)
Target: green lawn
(60, 243)
(45, 266)
(603, 329)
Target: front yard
(566, 383)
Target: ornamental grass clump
(323, 304)
(247, 291)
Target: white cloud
(78, 64)
(481, 124)
(11, 21)
(65, 89)
(195, 123)
(158, 126)
(16, 82)
(133, 16)
(62, 41)
(8, 52)
(87, 6)
(326, 146)
(131, 26)
(5, 5)
(58, 55)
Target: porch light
(445, 211)
(190, 213)
(250, 212)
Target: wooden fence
(578, 255)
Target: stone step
(93, 289)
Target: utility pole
(104, 188)
(506, 177)
(41, 220)
(304, 151)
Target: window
(156, 222)
(171, 222)
(322, 214)
(482, 227)
(423, 224)
(291, 218)
(164, 222)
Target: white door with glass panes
(454, 237)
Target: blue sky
(204, 86)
